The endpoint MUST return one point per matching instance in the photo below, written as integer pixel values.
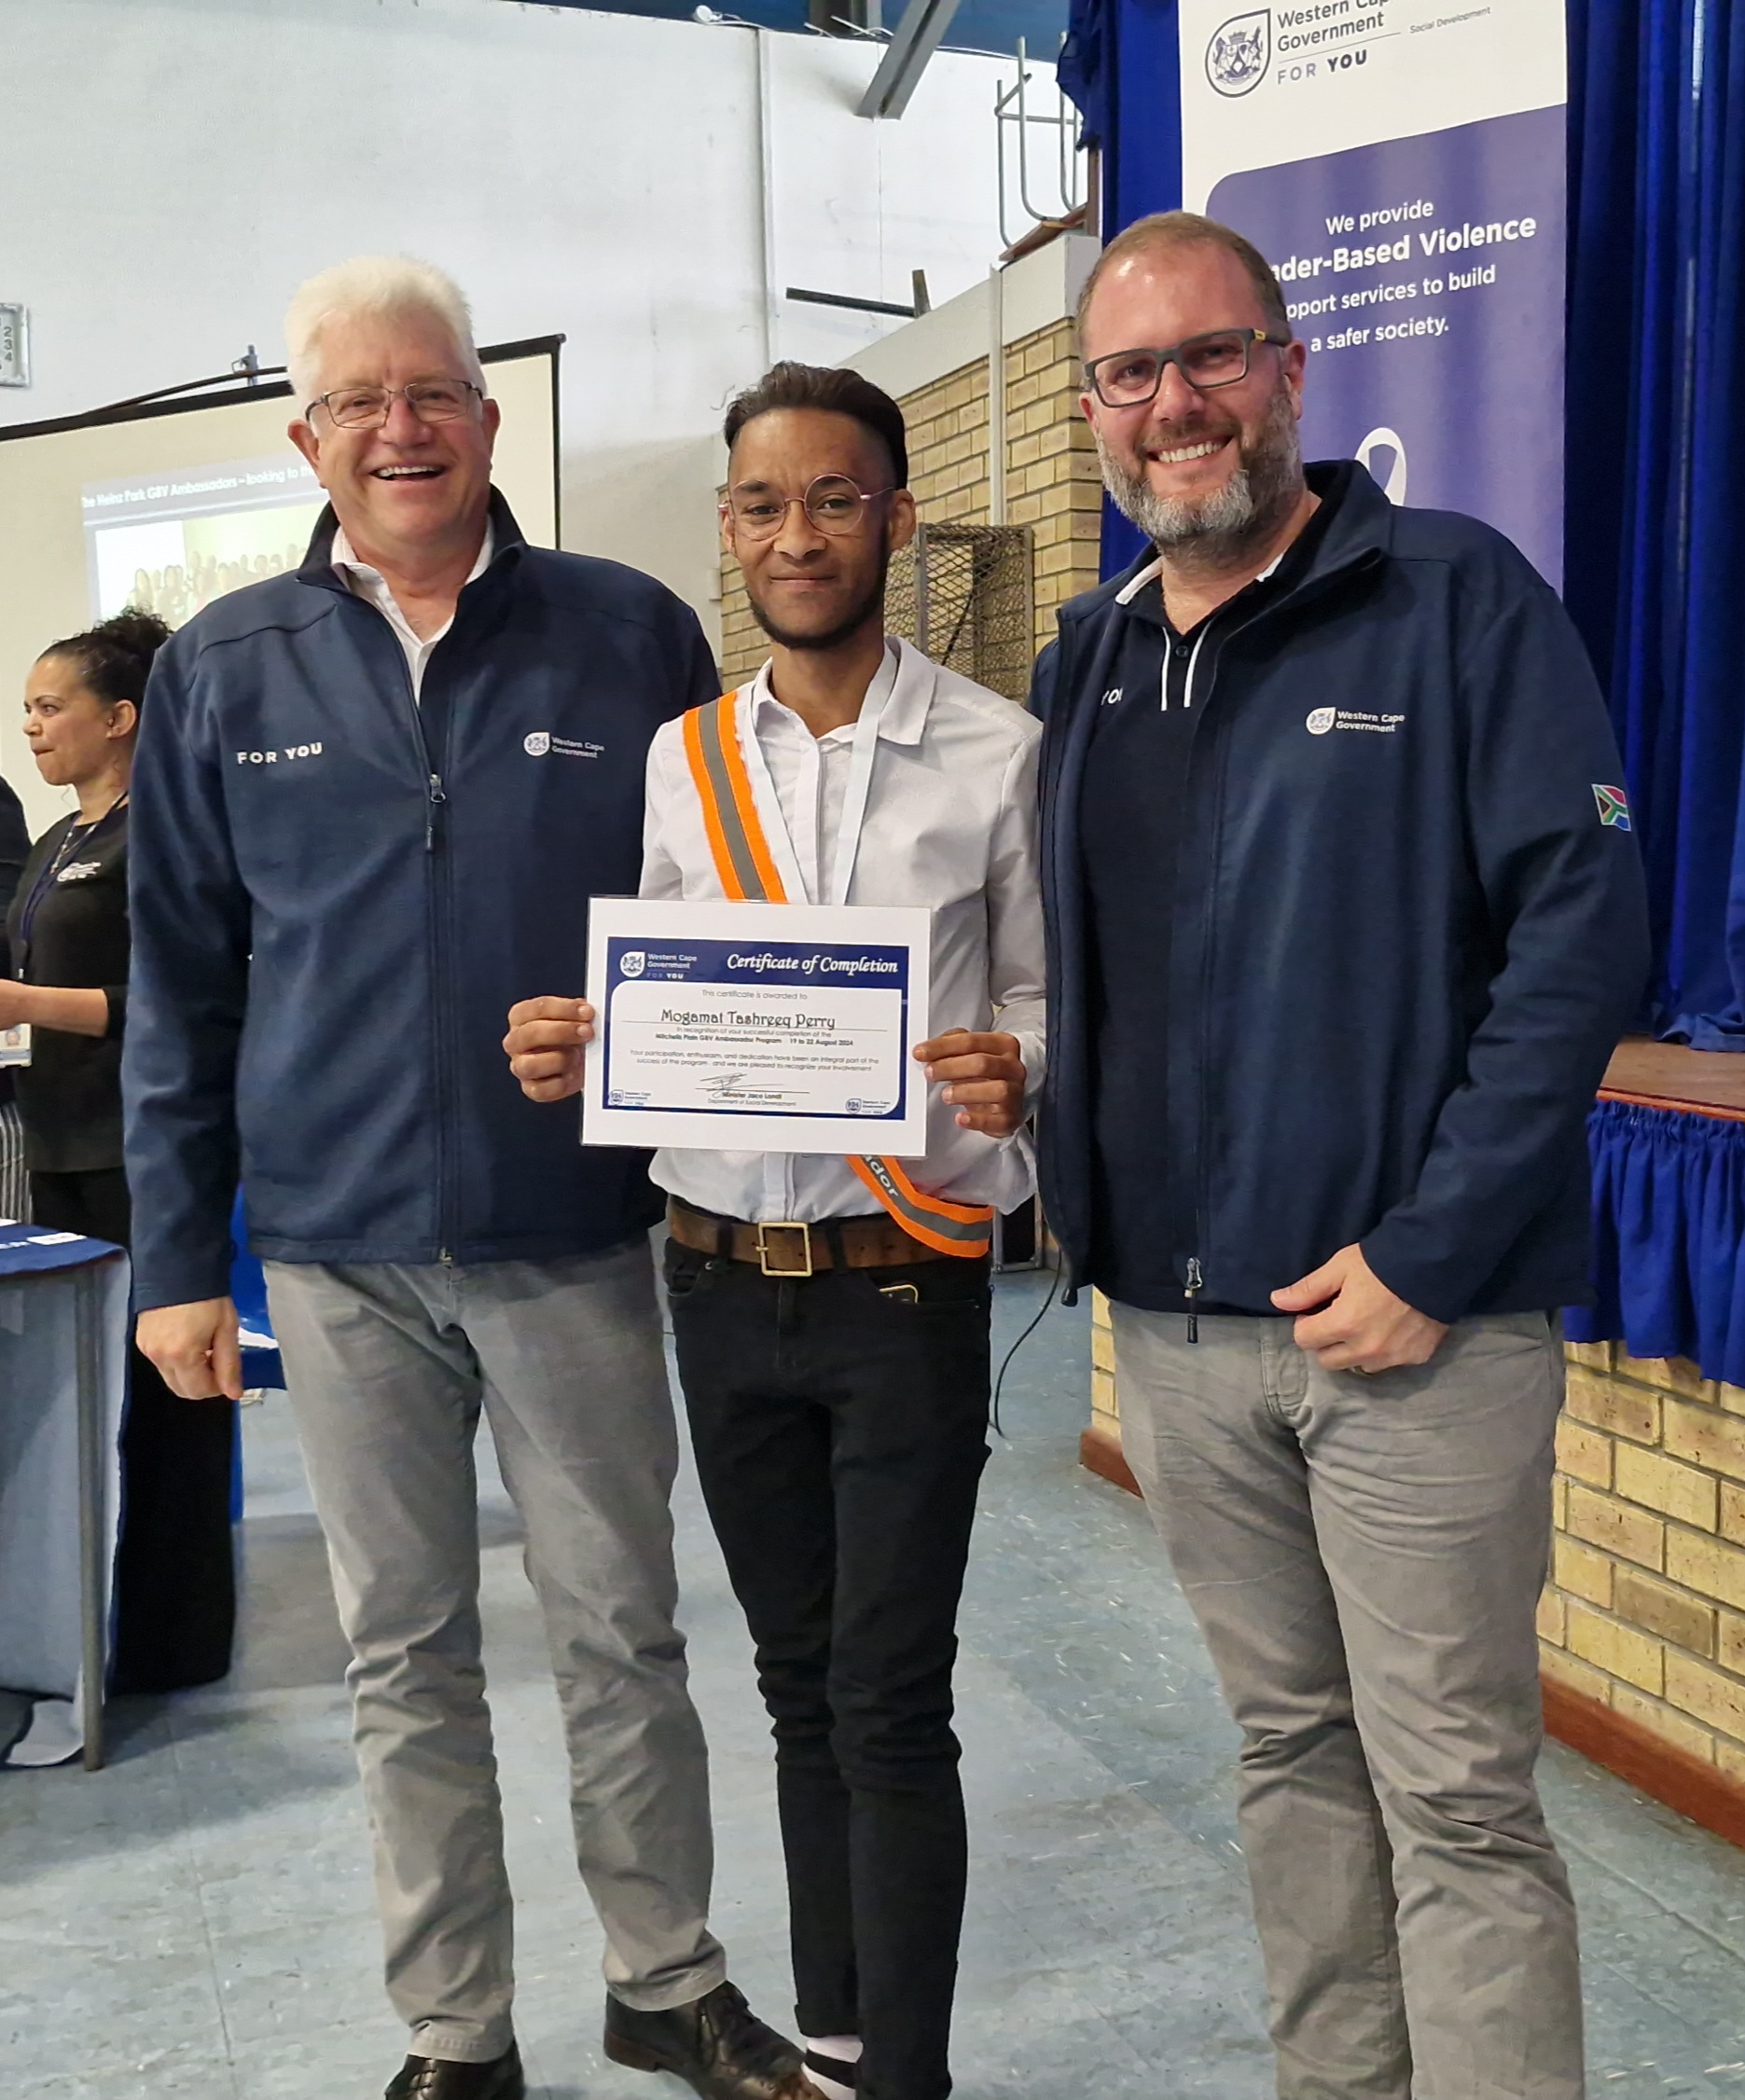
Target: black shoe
(716, 2044)
(429, 2078)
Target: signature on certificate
(735, 1090)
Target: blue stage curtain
(1655, 477)
(1121, 65)
(1668, 1237)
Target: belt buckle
(764, 1249)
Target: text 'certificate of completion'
(757, 1027)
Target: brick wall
(1052, 483)
(948, 446)
(1645, 1609)
(1105, 1412)
(1051, 479)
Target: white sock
(834, 2049)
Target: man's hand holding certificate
(746, 1019)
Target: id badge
(15, 1046)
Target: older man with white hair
(360, 789)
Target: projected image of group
(171, 542)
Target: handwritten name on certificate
(757, 1027)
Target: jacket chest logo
(273, 757)
(540, 743)
(1324, 719)
(75, 871)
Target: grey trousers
(387, 1369)
(1363, 1555)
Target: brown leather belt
(795, 1249)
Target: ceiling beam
(916, 39)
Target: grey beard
(1219, 526)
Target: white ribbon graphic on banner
(1384, 439)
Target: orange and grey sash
(748, 873)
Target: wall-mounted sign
(14, 345)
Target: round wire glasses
(834, 503)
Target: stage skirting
(1668, 1135)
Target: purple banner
(1426, 276)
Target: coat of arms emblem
(1237, 56)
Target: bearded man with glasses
(1343, 927)
(831, 1315)
(360, 793)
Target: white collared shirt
(365, 582)
(950, 823)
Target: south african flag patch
(1614, 807)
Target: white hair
(373, 286)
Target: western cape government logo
(1321, 721)
(538, 743)
(632, 962)
(1237, 56)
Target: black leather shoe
(716, 2044)
(429, 2078)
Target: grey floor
(196, 1920)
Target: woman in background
(14, 852)
(67, 929)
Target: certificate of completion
(757, 1027)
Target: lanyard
(859, 789)
(49, 873)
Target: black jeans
(840, 1429)
(174, 1568)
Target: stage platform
(1667, 1076)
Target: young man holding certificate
(831, 1312)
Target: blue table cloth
(41, 1624)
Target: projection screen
(172, 504)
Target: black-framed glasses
(1128, 379)
(367, 407)
(834, 503)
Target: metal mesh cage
(962, 595)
